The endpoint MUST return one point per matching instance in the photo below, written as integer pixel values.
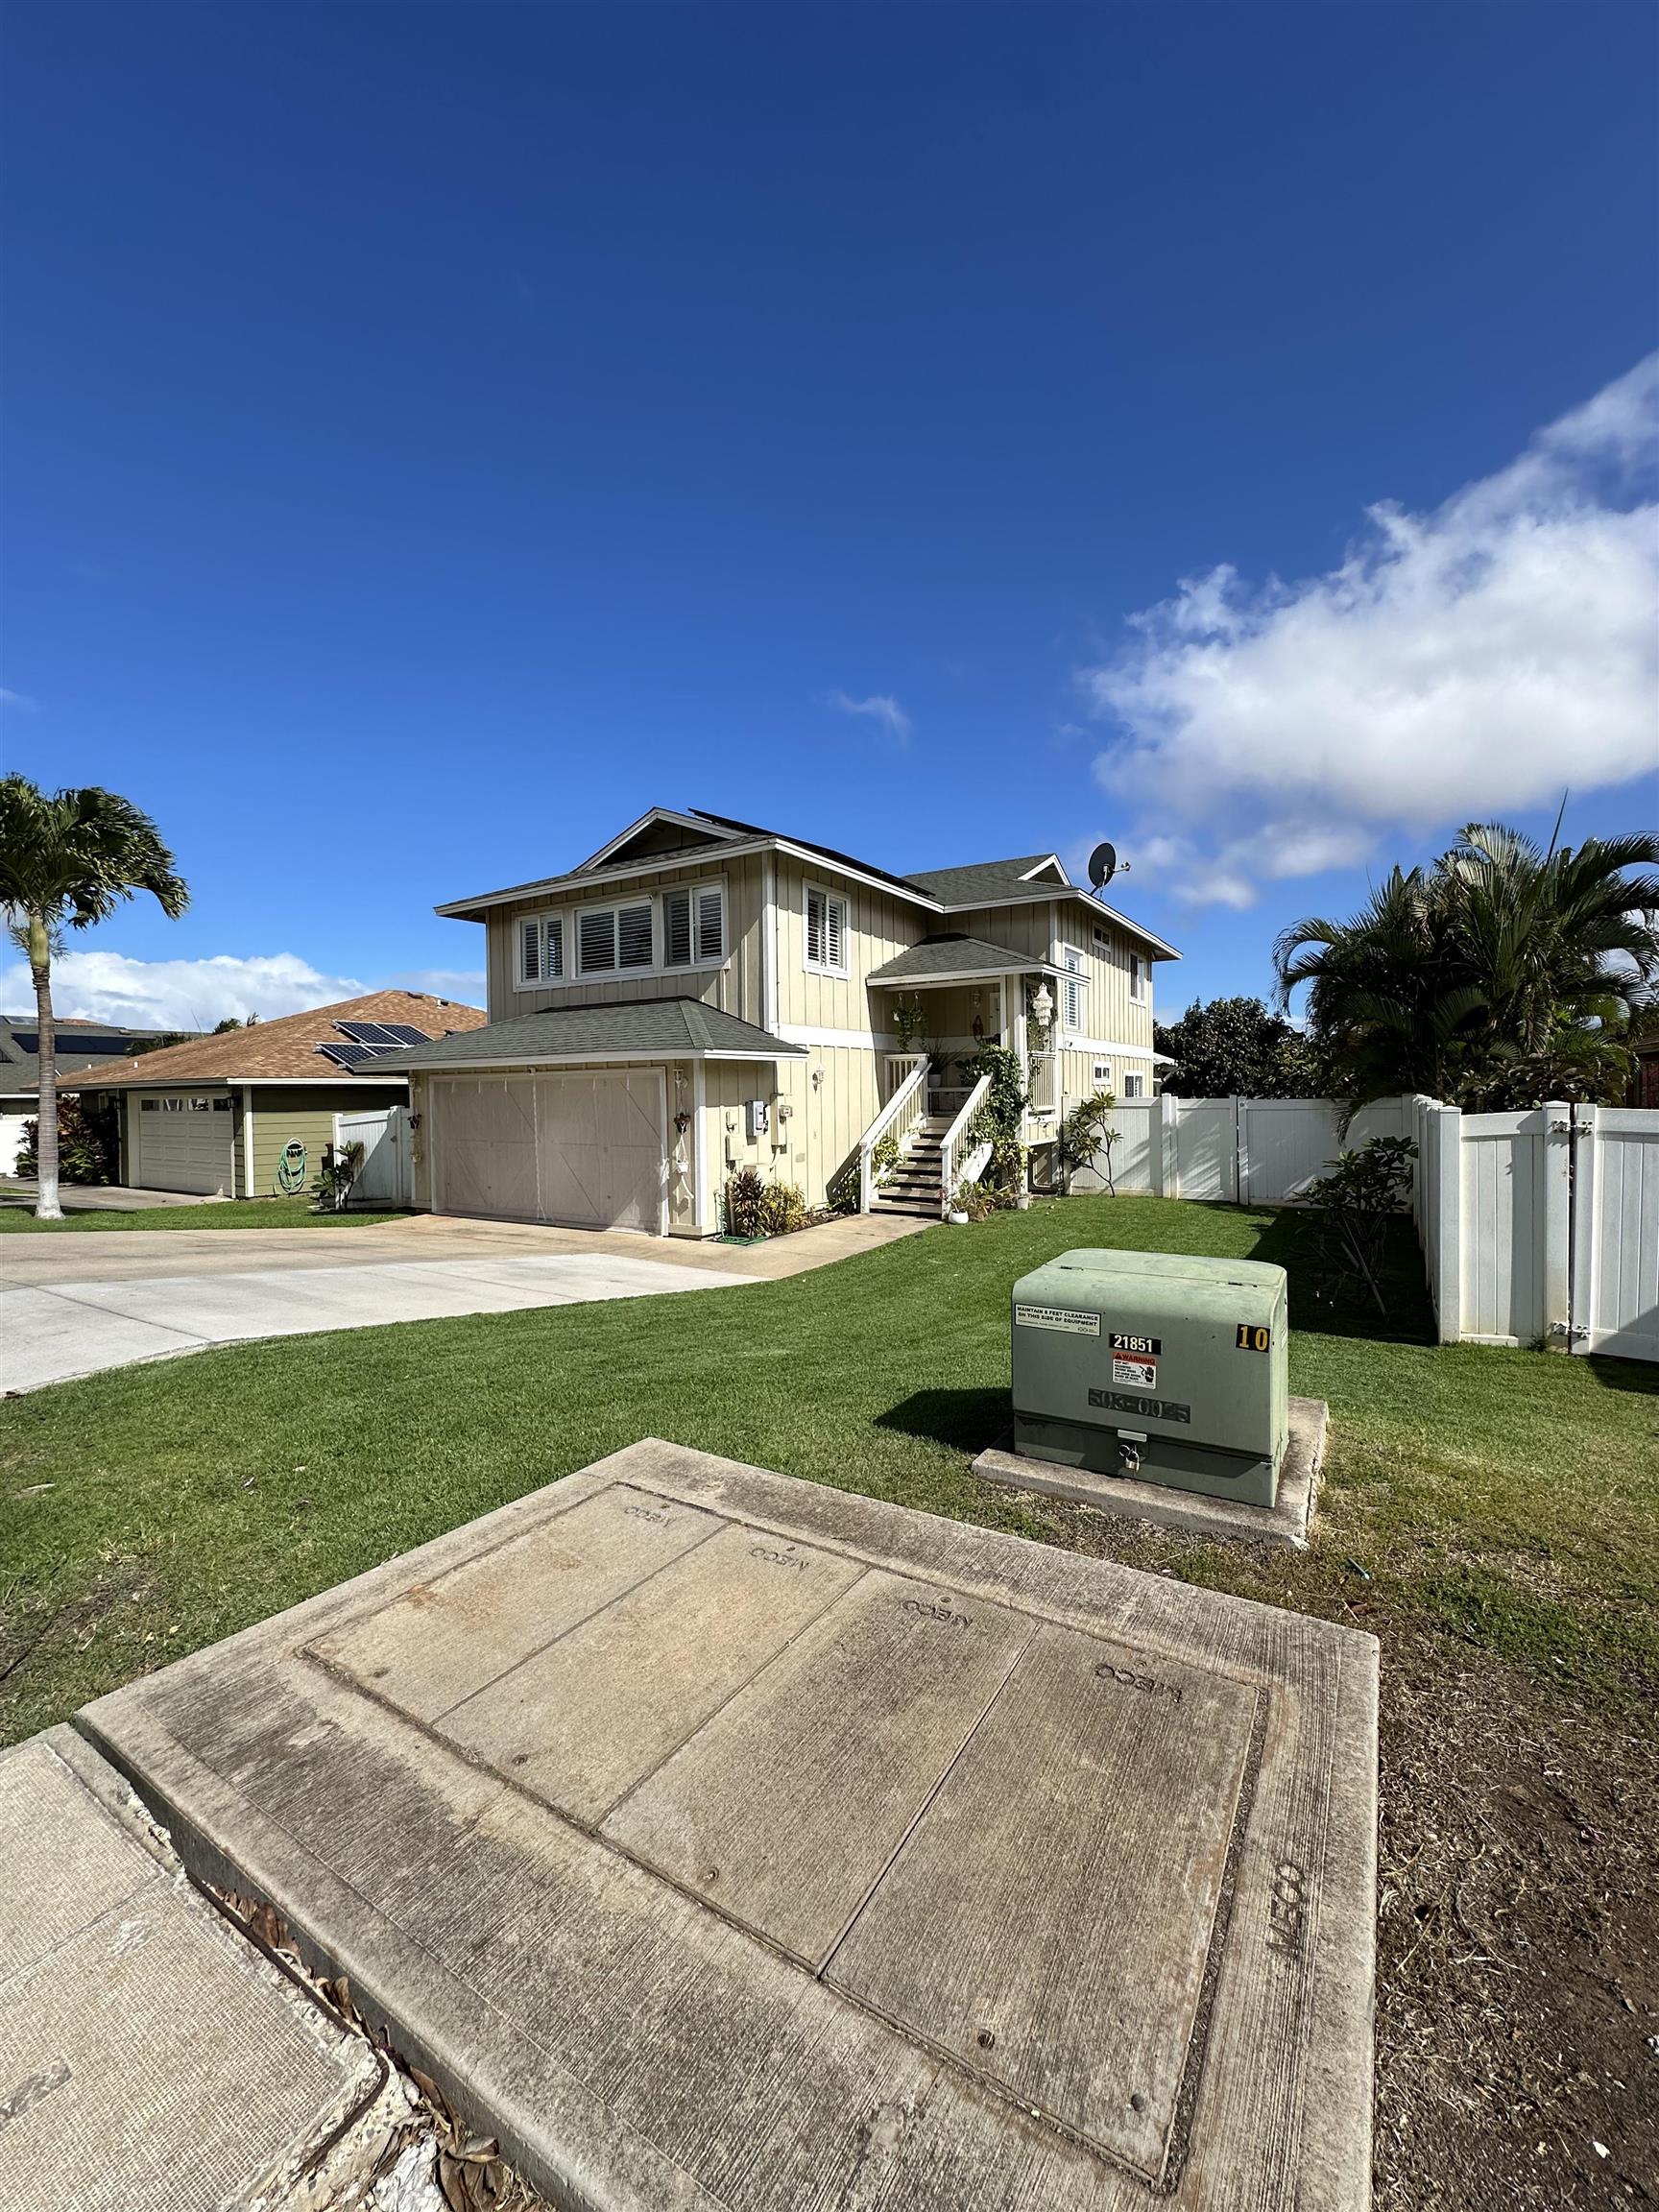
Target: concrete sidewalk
(53, 1334)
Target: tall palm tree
(1503, 971)
(68, 860)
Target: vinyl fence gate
(388, 1177)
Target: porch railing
(958, 1161)
(901, 1067)
(896, 1119)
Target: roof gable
(661, 832)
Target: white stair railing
(896, 1119)
(954, 1151)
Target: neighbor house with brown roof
(248, 1113)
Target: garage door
(186, 1142)
(586, 1151)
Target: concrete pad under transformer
(720, 1839)
(151, 2058)
(1285, 1522)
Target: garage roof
(640, 1030)
(285, 1050)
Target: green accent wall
(281, 1117)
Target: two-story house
(701, 995)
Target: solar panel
(351, 1056)
(405, 1033)
(374, 1033)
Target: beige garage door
(186, 1141)
(586, 1151)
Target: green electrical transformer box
(1156, 1365)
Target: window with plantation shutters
(675, 928)
(530, 951)
(596, 942)
(826, 930)
(694, 926)
(1073, 988)
(540, 949)
(635, 948)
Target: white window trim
(1073, 979)
(574, 978)
(1137, 1076)
(826, 893)
(544, 981)
(1139, 966)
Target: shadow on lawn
(963, 1420)
(1290, 1240)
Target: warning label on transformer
(1062, 1318)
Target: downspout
(247, 1191)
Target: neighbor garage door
(584, 1149)
(186, 1141)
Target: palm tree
(68, 860)
(1502, 975)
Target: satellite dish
(1102, 865)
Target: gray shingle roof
(672, 1028)
(982, 882)
(940, 956)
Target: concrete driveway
(75, 1304)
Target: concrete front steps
(914, 1184)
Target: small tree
(68, 860)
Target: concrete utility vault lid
(726, 1841)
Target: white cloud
(176, 994)
(20, 700)
(881, 707)
(1460, 664)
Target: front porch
(943, 999)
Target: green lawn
(17, 1219)
(1507, 1498)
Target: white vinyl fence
(1248, 1151)
(388, 1177)
(1542, 1227)
(1537, 1228)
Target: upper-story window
(540, 949)
(694, 926)
(676, 929)
(826, 930)
(1139, 978)
(1073, 988)
(615, 940)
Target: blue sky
(434, 434)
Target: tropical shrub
(1000, 1114)
(783, 1209)
(88, 1142)
(1356, 1199)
